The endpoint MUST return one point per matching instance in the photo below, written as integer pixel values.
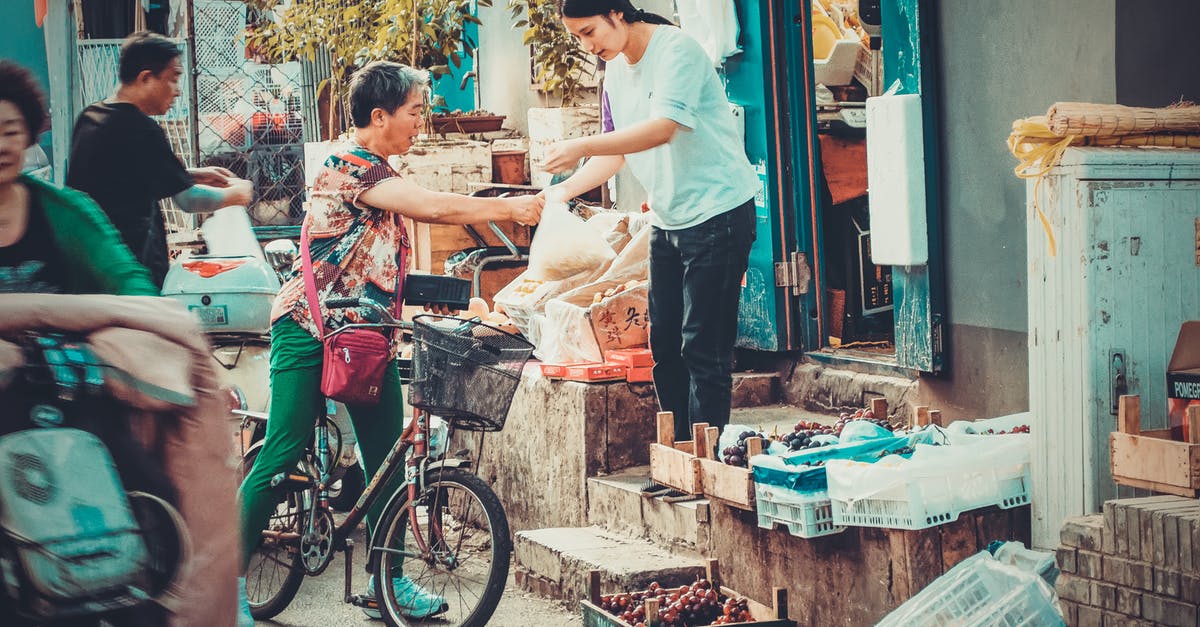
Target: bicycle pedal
(363, 601)
(292, 481)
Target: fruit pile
(685, 606)
(736, 455)
(861, 414)
(1016, 429)
(802, 435)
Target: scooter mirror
(281, 254)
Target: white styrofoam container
(838, 68)
(227, 294)
(896, 181)
(1123, 280)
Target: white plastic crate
(930, 501)
(806, 515)
(979, 591)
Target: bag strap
(310, 280)
(310, 283)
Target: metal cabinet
(1104, 311)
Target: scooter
(231, 293)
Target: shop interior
(847, 69)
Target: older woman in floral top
(356, 241)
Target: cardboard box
(632, 357)
(1183, 377)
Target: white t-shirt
(703, 171)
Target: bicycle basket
(465, 371)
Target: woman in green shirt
(52, 239)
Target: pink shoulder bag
(354, 360)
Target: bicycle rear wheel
(276, 569)
(467, 550)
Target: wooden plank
(1164, 488)
(921, 416)
(1151, 459)
(666, 428)
(754, 446)
(935, 417)
(958, 540)
(699, 442)
(779, 595)
(712, 436)
(729, 484)
(1129, 414)
(594, 586)
(1162, 434)
(675, 468)
(1193, 422)
(879, 407)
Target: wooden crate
(675, 464)
(774, 616)
(729, 484)
(1151, 459)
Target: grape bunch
(734, 611)
(1016, 429)
(736, 455)
(802, 435)
(861, 414)
(685, 606)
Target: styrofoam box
(236, 299)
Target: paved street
(320, 603)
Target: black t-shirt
(34, 263)
(122, 159)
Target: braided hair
(588, 8)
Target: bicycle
(443, 518)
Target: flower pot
(508, 166)
(466, 123)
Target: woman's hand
(441, 310)
(563, 155)
(525, 210)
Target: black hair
(382, 85)
(143, 51)
(18, 86)
(588, 8)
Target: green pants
(296, 402)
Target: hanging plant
(561, 68)
(427, 34)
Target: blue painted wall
(23, 42)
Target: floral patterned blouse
(355, 248)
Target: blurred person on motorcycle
(52, 239)
(121, 157)
(357, 241)
(64, 271)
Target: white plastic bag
(564, 245)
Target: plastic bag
(564, 245)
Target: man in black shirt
(121, 157)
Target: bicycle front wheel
(276, 571)
(458, 549)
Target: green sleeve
(100, 261)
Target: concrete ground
(319, 602)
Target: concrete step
(819, 388)
(554, 563)
(752, 389)
(616, 504)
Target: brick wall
(1136, 564)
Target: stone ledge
(555, 563)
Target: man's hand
(212, 176)
(525, 210)
(239, 192)
(563, 155)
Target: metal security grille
(252, 118)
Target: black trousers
(695, 286)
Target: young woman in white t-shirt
(667, 117)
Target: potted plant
(428, 34)
(562, 71)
